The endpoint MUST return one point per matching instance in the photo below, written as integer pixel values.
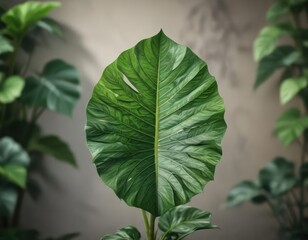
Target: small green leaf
(267, 39)
(278, 176)
(14, 173)
(55, 147)
(8, 199)
(281, 56)
(291, 87)
(5, 45)
(244, 192)
(22, 16)
(277, 10)
(13, 161)
(11, 88)
(50, 26)
(182, 221)
(290, 126)
(57, 88)
(127, 233)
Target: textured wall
(221, 31)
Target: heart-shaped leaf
(278, 176)
(127, 233)
(266, 41)
(290, 126)
(155, 124)
(244, 192)
(11, 88)
(290, 87)
(57, 88)
(281, 56)
(13, 161)
(182, 221)
(22, 16)
(55, 147)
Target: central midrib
(157, 127)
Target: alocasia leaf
(127, 233)
(155, 124)
(22, 16)
(182, 221)
(56, 88)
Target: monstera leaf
(278, 176)
(155, 124)
(56, 88)
(127, 233)
(13, 162)
(181, 221)
(22, 16)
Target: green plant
(282, 184)
(24, 96)
(154, 127)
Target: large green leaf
(291, 87)
(57, 88)
(267, 39)
(290, 126)
(22, 16)
(50, 26)
(127, 233)
(182, 221)
(277, 10)
(55, 147)
(5, 45)
(281, 56)
(11, 88)
(8, 199)
(244, 192)
(155, 124)
(278, 176)
(13, 161)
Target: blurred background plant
(282, 184)
(24, 96)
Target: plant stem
(12, 60)
(146, 223)
(280, 223)
(152, 227)
(302, 189)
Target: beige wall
(221, 31)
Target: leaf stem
(152, 227)
(146, 222)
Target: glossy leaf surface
(281, 56)
(55, 147)
(182, 221)
(155, 124)
(13, 162)
(278, 176)
(127, 233)
(11, 88)
(22, 16)
(57, 88)
(291, 87)
(290, 126)
(243, 192)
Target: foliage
(282, 183)
(24, 96)
(154, 128)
